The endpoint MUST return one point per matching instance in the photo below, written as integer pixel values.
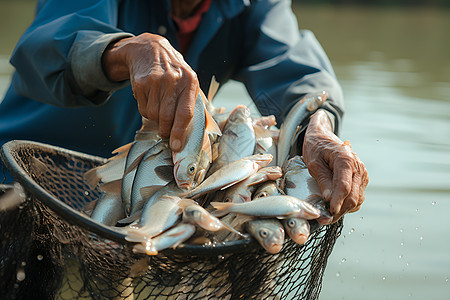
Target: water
(394, 66)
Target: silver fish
(280, 207)
(268, 188)
(237, 140)
(299, 112)
(242, 191)
(108, 209)
(299, 183)
(172, 238)
(153, 170)
(197, 215)
(297, 229)
(230, 174)
(144, 139)
(268, 232)
(156, 217)
(187, 160)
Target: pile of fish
(224, 185)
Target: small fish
(108, 209)
(230, 174)
(268, 188)
(299, 112)
(242, 191)
(155, 219)
(197, 215)
(144, 139)
(237, 140)
(299, 183)
(268, 232)
(153, 169)
(186, 161)
(280, 207)
(172, 238)
(297, 229)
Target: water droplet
(23, 264)
(400, 256)
(86, 193)
(361, 218)
(401, 229)
(40, 257)
(354, 277)
(417, 228)
(433, 203)
(421, 238)
(407, 264)
(401, 244)
(20, 275)
(338, 274)
(446, 279)
(384, 278)
(352, 230)
(343, 260)
(417, 210)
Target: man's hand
(163, 84)
(341, 175)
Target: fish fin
(215, 151)
(112, 187)
(134, 164)
(148, 191)
(130, 219)
(136, 236)
(123, 149)
(231, 229)
(265, 121)
(213, 88)
(222, 208)
(230, 184)
(211, 125)
(149, 125)
(185, 202)
(91, 177)
(289, 184)
(165, 173)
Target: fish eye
(262, 194)
(227, 199)
(191, 169)
(291, 223)
(264, 233)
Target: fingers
(324, 177)
(342, 183)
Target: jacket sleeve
(58, 58)
(281, 64)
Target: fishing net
(50, 249)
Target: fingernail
(327, 194)
(175, 145)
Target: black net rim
(74, 217)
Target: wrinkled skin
(163, 84)
(341, 175)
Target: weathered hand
(163, 84)
(341, 175)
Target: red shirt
(187, 27)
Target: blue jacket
(59, 94)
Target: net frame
(89, 260)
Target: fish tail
(229, 228)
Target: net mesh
(43, 254)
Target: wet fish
(242, 191)
(299, 112)
(144, 139)
(297, 229)
(154, 169)
(237, 140)
(186, 161)
(230, 174)
(268, 188)
(299, 183)
(156, 217)
(108, 209)
(172, 238)
(197, 215)
(268, 232)
(280, 207)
